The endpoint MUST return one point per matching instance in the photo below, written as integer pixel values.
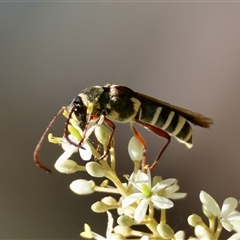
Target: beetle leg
(137, 134)
(160, 133)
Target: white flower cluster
(140, 197)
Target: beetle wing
(194, 117)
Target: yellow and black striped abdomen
(168, 120)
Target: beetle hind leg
(160, 133)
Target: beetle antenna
(38, 147)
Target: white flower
(146, 195)
(69, 149)
(227, 216)
(109, 228)
(109, 232)
(75, 136)
(171, 192)
(236, 228)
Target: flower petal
(210, 203)
(67, 154)
(91, 128)
(138, 186)
(171, 189)
(131, 199)
(141, 210)
(228, 206)
(236, 226)
(141, 177)
(234, 217)
(109, 225)
(161, 202)
(163, 184)
(177, 195)
(85, 152)
(227, 225)
(66, 144)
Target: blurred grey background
(187, 54)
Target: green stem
(111, 175)
(163, 216)
(212, 223)
(218, 231)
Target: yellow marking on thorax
(136, 106)
(90, 108)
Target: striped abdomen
(167, 120)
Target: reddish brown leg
(38, 147)
(137, 134)
(160, 133)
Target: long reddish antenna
(38, 147)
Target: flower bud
(95, 169)
(206, 212)
(194, 220)
(110, 201)
(123, 230)
(69, 166)
(99, 207)
(135, 149)
(165, 231)
(82, 187)
(125, 221)
(87, 232)
(104, 183)
(102, 134)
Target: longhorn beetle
(118, 103)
